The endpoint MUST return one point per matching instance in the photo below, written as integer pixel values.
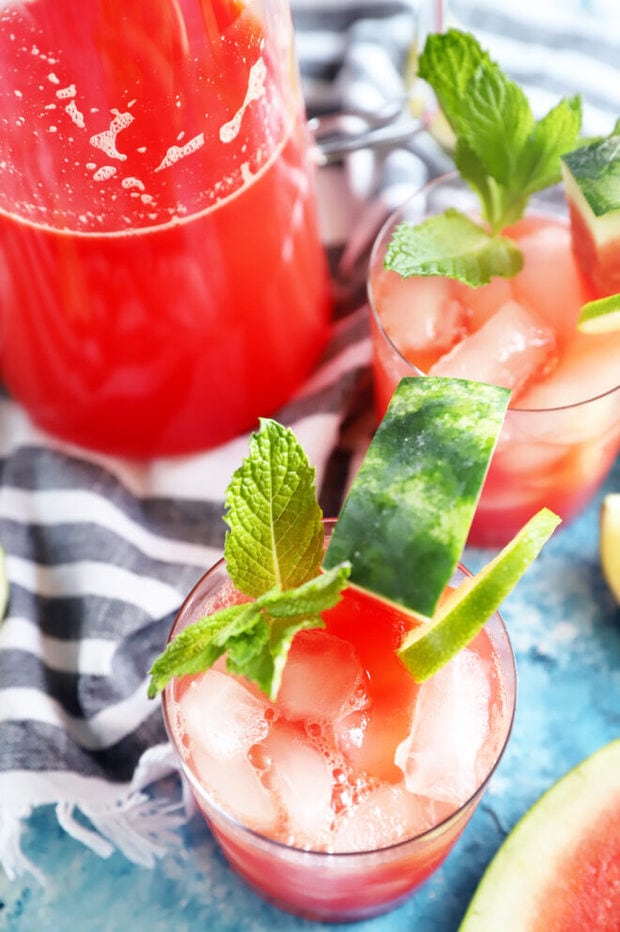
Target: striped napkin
(101, 551)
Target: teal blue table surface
(565, 629)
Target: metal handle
(338, 134)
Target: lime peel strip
(600, 316)
(463, 614)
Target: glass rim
(510, 675)
(378, 243)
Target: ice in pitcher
(310, 768)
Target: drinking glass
(549, 454)
(162, 279)
(344, 886)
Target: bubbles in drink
(224, 717)
(300, 778)
(387, 814)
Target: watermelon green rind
(465, 611)
(513, 891)
(595, 168)
(416, 491)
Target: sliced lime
(600, 316)
(429, 646)
(406, 518)
(609, 542)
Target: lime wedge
(464, 612)
(406, 518)
(600, 316)
(609, 542)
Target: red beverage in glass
(562, 432)
(162, 279)
(338, 799)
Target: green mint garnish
(451, 244)
(501, 151)
(276, 534)
(273, 552)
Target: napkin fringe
(105, 819)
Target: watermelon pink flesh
(600, 262)
(585, 891)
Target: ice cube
(589, 366)
(368, 738)
(450, 725)
(300, 776)
(224, 716)
(421, 314)
(323, 678)
(236, 786)
(508, 350)
(484, 301)
(550, 281)
(388, 815)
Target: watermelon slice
(592, 184)
(405, 520)
(559, 868)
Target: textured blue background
(566, 634)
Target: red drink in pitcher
(163, 282)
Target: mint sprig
(273, 552)
(501, 151)
(451, 244)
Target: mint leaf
(500, 150)
(451, 244)
(198, 646)
(276, 534)
(263, 656)
(448, 63)
(256, 636)
(273, 552)
(539, 164)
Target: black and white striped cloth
(101, 551)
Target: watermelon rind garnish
(592, 187)
(515, 892)
(406, 518)
(595, 169)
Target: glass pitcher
(162, 280)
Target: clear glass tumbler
(562, 435)
(347, 885)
